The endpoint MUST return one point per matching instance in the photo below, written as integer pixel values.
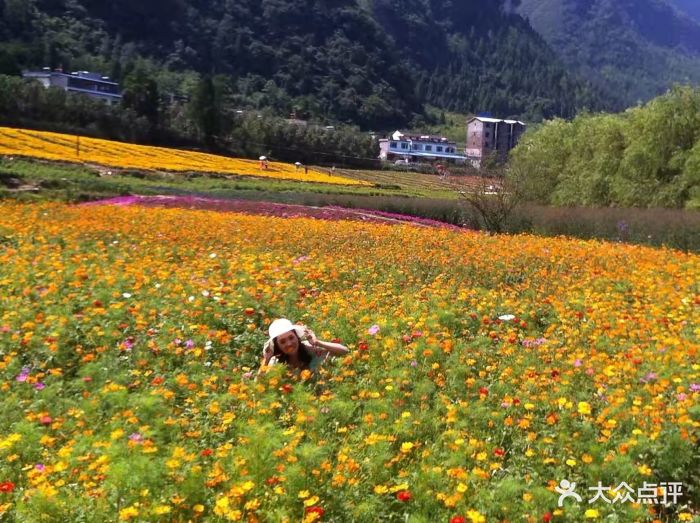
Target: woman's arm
(334, 349)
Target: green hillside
(370, 63)
(636, 48)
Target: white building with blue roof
(409, 148)
(84, 82)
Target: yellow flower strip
(68, 148)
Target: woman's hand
(311, 336)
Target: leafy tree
(141, 94)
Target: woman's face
(288, 343)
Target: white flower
(212, 255)
(506, 317)
(190, 299)
(126, 294)
(205, 293)
(157, 285)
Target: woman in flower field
(297, 346)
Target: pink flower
(23, 375)
(39, 386)
(374, 329)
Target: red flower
(458, 519)
(45, 420)
(286, 388)
(403, 495)
(499, 452)
(272, 480)
(207, 452)
(547, 517)
(484, 391)
(315, 510)
(362, 346)
(7, 486)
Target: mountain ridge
(638, 48)
(364, 62)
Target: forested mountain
(636, 48)
(371, 63)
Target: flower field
(69, 148)
(484, 371)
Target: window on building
(392, 145)
(416, 147)
(404, 145)
(439, 148)
(428, 147)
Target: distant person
(297, 346)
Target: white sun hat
(281, 326)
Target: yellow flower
(381, 489)
(311, 501)
(162, 509)
(253, 504)
(584, 408)
(406, 447)
(644, 470)
(128, 513)
(591, 513)
(198, 508)
(304, 494)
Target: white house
(91, 84)
(419, 148)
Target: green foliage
(632, 50)
(647, 156)
(372, 64)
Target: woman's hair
(304, 355)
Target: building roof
(86, 75)
(428, 138)
(494, 120)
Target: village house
(486, 136)
(419, 148)
(85, 82)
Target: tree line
(205, 121)
(646, 156)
